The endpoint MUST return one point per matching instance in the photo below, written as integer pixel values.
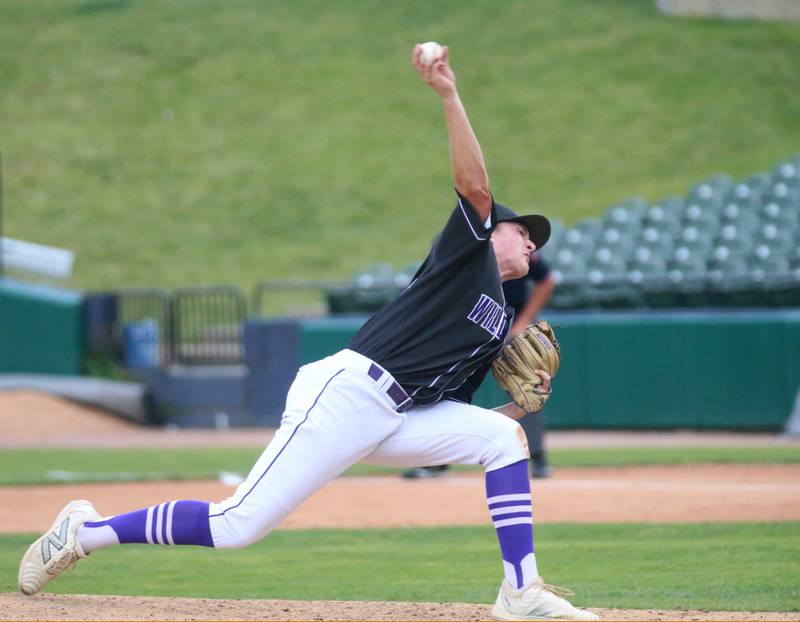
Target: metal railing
(208, 324)
(142, 332)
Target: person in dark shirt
(527, 296)
(398, 395)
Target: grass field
(175, 143)
(699, 566)
(41, 466)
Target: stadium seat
(744, 216)
(752, 187)
(686, 271)
(368, 290)
(784, 195)
(557, 230)
(783, 289)
(778, 241)
(711, 191)
(734, 239)
(626, 216)
(568, 265)
(647, 271)
(702, 217)
(694, 239)
(608, 285)
(781, 214)
(657, 240)
(730, 284)
(618, 241)
(761, 264)
(569, 274)
(665, 215)
(788, 172)
(581, 237)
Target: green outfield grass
(38, 466)
(174, 143)
(721, 566)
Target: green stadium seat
(608, 285)
(606, 267)
(569, 274)
(711, 191)
(557, 230)
(368, 290)
(645, 262)
(659, 241)
(788, 172)
(735, 240)
(626, 216)
(730, 283)
(581, 238)
(773, 240)
(752, 186)
(376, 275)
(665, 214)
(759, 265)
(794, 254)
(746, 218)
(618, 241)
(695, 239)
(703, 218)
(783, 289)
(781, 214)
(686, 271)
(647, 272)
(568, 265)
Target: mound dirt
(82, 607)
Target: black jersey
(450, 322)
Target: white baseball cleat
(538, 601)
(57, 550)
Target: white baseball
(431, 51)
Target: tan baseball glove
(515, 367)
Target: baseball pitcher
(398, 395)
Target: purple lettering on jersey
(488, 314)
(480, 309)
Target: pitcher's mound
(82, 607)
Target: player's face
(513, 248)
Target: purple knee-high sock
(174, 522)
(508, 493)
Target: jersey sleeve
(464, 230)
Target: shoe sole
(32, 550)
(499, 614)
(502, 615)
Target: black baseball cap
(538, 226)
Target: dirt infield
(686, 493)
(81, 607)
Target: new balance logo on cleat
(57, 550)
(57, 540)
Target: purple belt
(395, 392)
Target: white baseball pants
(339, 413)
